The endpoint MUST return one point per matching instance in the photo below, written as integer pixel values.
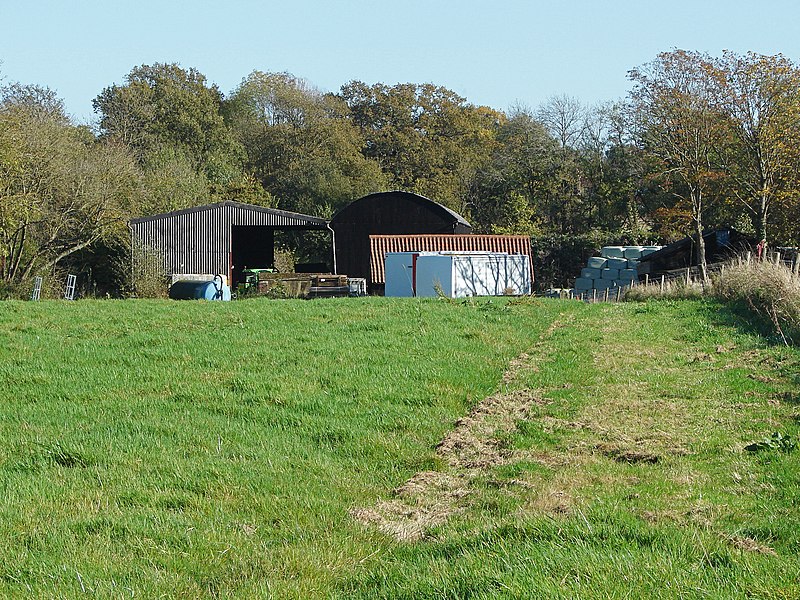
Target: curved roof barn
(387, 213)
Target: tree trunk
(761, 217)
(698, 230)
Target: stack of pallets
(326, 285)
(303, 285)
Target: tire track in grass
(469, 451)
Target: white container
(459, 275)
(357, 285)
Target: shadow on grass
(740, 317)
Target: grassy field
(396, 448)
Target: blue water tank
(199, 290)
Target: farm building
(387, 213)
(381, 245)
(721, 244)
(225, 237)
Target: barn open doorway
(252, 247)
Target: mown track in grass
(629, 475)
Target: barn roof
(381, 244)
(436, 208)
(272, 216)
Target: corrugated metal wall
(381, 244)
(198, 240)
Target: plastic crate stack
(617, 266)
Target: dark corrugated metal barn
(721, 245)
(223, 238)
(381, 244)
(387, 213)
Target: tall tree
(682, 128)
(565, 118)
(426, 138)
(761, 96)
(516, 186)
(171, 119)
(300, 144)
(60, 191)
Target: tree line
(699, 141)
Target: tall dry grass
(770, 289)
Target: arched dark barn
(387, 213)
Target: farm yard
(390, 448)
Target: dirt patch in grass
(469, 451)
(747, 544)
(424, 501)
(474, 444)
(628, 455)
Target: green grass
(193, 449)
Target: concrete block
(622, 283)
(628, 274)
(633, 263)
(597, 262)
(603, 284)
(632, 252)
(617, 263)
(591, 273)
(648, 250)
(584, 283)
(610, 274)
(612, 251)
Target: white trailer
(457, 274)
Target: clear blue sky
(493, 52)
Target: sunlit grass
(217, 450)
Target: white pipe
(333, 246)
